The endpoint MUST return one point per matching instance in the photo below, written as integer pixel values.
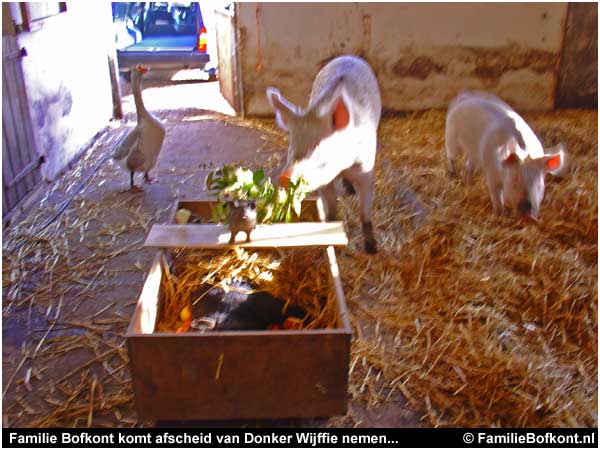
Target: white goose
(140, 148)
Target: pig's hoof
(371, 247)
(348, 186)
(451, 170)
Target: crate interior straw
(241, 374)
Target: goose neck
(136, 84)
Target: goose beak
(142, 69)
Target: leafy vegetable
(274, 204)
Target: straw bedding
(73, 366)
(478, 320)
(469, 318)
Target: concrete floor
(64, 346)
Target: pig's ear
(510, 160)
(553, 161)
(341, 115)
(284, 110)
(335, 107)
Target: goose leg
(133, 187)
(148, 179)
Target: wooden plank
(299, 234)
(11, 194)
(226, 55)
(26, 17)
(222, 376)
(28, 169)
(17, 127)
(12, 115)
(8, 128)
(27, 150)
(115, 88)
(144, 316)
(334, 274)
(5, 204)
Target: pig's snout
(526, 212)
(524, 207)
(284, 178)
(284, 181)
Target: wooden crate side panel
(199, 208)
(240, 377)
(308, 213)
(343, 320)
(143, 320)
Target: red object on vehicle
(202, 40)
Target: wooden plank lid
(300, 234)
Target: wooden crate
(237, 374)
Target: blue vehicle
(159, 35)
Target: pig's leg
(365, 186)
(495, 191)
(452, 149)
(348, 186)
(329, 197)
(469, 169)
(232, 238)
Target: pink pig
(496, 139)
(335, 137)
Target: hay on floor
(471, 319)
(474, 319)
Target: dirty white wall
(67, 80)
(422, 53)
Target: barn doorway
(189, 48)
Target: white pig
(335, 136)
(498, 140)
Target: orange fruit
(185, 314)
